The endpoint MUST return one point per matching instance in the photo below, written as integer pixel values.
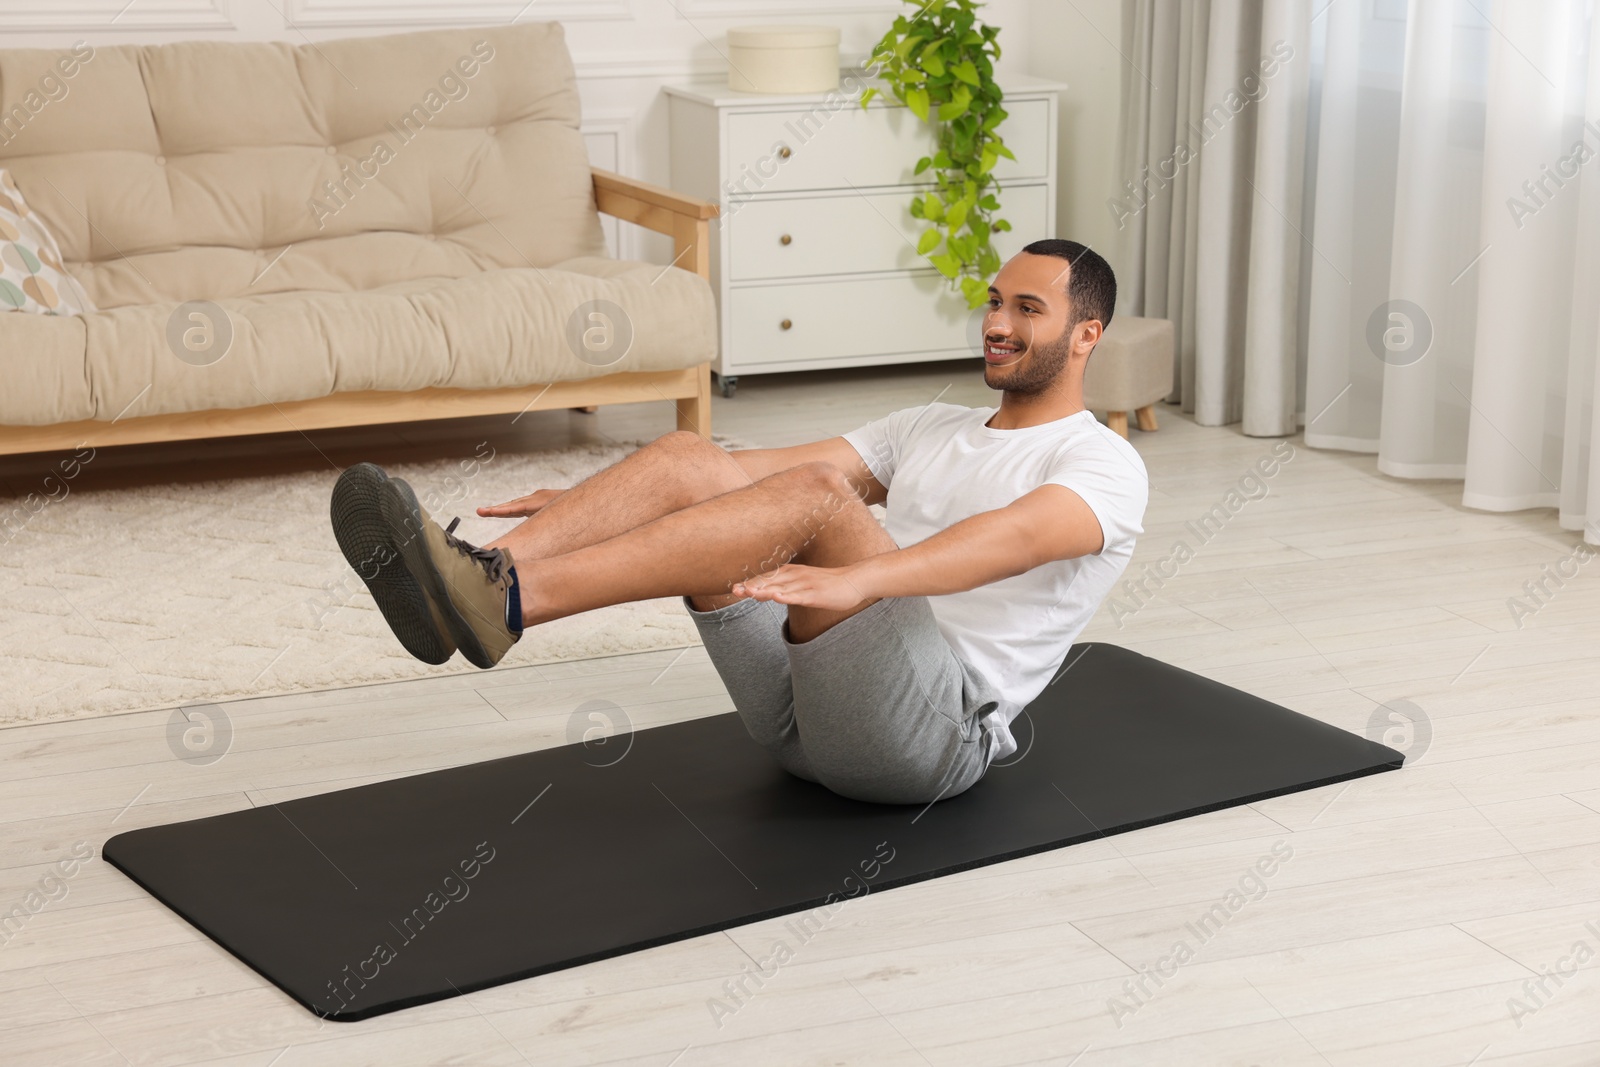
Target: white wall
(1079, 43)
(625, 50)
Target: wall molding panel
(305, 14)
(658, 65)
(94, 17)
(611, 135)
(741, 8)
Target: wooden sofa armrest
(686, 219)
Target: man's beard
(1041, 365)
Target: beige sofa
(394, 228)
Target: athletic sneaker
(368, 543)
(474, 589)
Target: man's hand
(521, 507)
(828, 588)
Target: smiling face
(1029, 339)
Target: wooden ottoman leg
(1147, 417)
(1118, 421)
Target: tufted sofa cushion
(373, 213)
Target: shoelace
(492, 560)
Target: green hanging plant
(939, 63)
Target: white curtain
(1214, 133)
(1405, 252)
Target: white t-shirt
(941, 464)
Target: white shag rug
(156, 597)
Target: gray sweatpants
(879, 708)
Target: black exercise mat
(377, 898)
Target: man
(884, 664)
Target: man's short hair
(1091, 285)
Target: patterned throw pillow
(31, 275)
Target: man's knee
(709, 466)
(822, 478)
(826, 521)
(685, 441)
(817, 491)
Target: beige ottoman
(1130, 370)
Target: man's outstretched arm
(1047, 524)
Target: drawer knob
(786, 324)
(785, 152)
(786, 239)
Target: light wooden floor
(1416, 910)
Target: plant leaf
(976, 292)
(940, 65)
(917, 101)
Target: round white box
(783, 59)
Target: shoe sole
(403, 517)
(364, 537)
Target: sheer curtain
(1442, 255)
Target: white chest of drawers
(814, 257)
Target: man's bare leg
(670, 473)
(808, 514)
